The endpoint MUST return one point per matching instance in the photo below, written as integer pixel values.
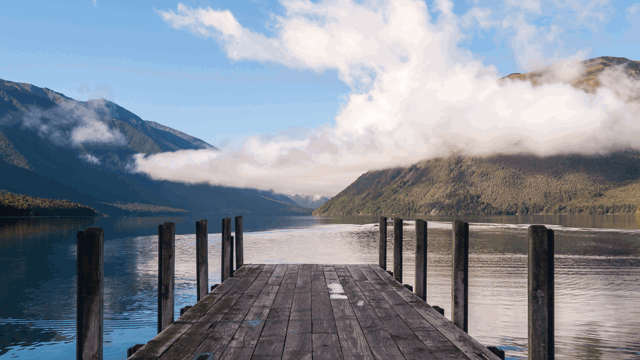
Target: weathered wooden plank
(287, 288)
(277, 275)
(252, 325)
(203, 311)
(298, 347)
(326, 346)
(274, 333)
(235, 353)
(468, 345)
(352, 339)
(440, 346)
(231, 308)
(298, 340)
(381, 343)
(322, 320)
(220, 334)
(301, 306)
(339, 301)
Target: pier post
(166, 273)
(202, 258)
(460, 276)
(397, 249)
(239, 243)
(90, 293)
(232, 269)
(382, 244)
(421, 259)
(541, 297)
(226, 249)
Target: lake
(597, 279)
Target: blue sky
(173, 62)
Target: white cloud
(72, 123)
(95, 2)
(415, 94)
(91, 159)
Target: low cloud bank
(415, 94)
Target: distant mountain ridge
(52, 146)
(310, 201)
(510, 184)
(496, 185)
(587, 76)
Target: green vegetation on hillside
(138, 208)
(500, 184)
(9, 154)
(23, 205)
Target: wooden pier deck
(312, 312)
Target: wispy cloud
(95, 2)
(415, 94)
(90, 158)
(71, 123)
(102, 91)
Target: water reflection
(597, 277)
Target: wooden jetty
(312, 311)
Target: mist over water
(597, 276)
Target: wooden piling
(226, 249)
(90, 293)
(239, 243)
(166, 274)
(421, 259)
(232, 269)
(382, 244)
(541, 297)
(202, 259)
(397, 249)
(460, 276)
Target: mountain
(54, 147)
(589, 75)
(310, 201)
(510, 184)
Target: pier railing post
(421, 259)
(541, 309)
(232, 269)
(382, 244)
(397, 249)
(166, 274)
(239, 243)
(202, 258)
(460, 276)
(226, 249)
(90, 293)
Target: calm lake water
(597, 276)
